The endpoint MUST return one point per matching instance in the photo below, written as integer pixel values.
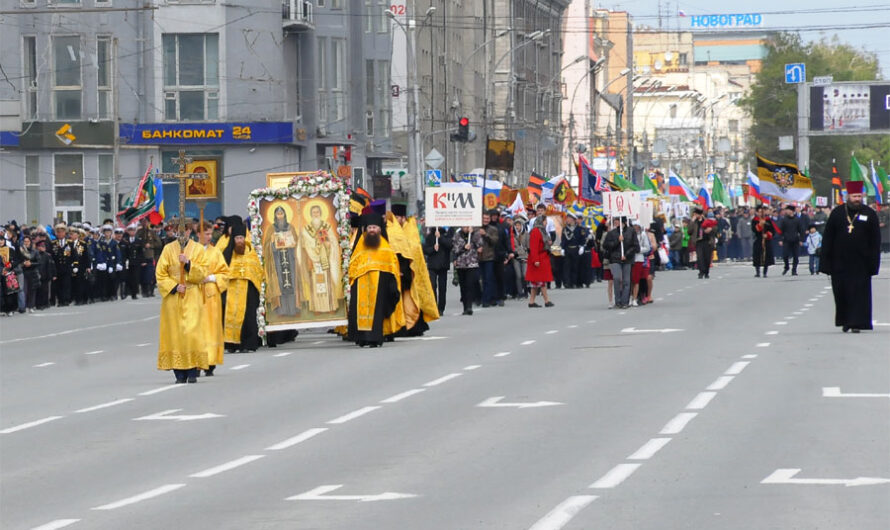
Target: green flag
(718, 192)
(882, 174)
(860, 173)
(624, 184)
(650, 185)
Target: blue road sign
(433, 177)
(795, 73)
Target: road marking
(701, 400)
(771, 333)
(300, 438)
(316, 343)
(318, 494)
(780, 323)
(798, 313)
(750, 356)
(762, 344)
(143, 344)
(399, 397)
(563, 513)
(159, 390)
(591, 321)
(97, 352)
(352, 415)
(721, 382)
(141, 497)
(649, 449)
(552, 332)
(786, 476)
(814, 299)
(502, 354)
(55, 525)
(835, 391)
(635, 330)
(104, 405)
(678, 423)
(737, 367)
(790, 318)
(78, 330)
(166, 415)
(808, 305)
(527, 343)
(28, 425)
(472, 367)
(283, 354)
(615, 476)
(239, 367)
(41, 365)
(443, 379)
(238, 462)
(572, 326)
(494, 402)
(670, 294)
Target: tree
(773, 105)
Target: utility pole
(116, 141)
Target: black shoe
(192, 379)
(784, 272)
(794, 273)
(467, 312)
(549, 304)
(534, 305)
(757, 275)
(500, 303)
(209, 371)
(845, 329)
(854, 330)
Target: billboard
(850, 108)
(454, 206)
(499, 154)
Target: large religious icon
(201, 188)
(302, 260)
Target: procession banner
(647, 213)
(454, 206)
(622, 204)
(301, 233)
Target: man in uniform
(851, 255)
(180, 273)
(418, 299)
(375, 307)
(80, 266)
(61, 254)
(791, 229)
(132, 254)
(242, 297)
(106, 261)
(574, 238)
(119, 290)
(764, 230)
(215, 283)
(151, 252)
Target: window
(338, 78)
(191, 76)
(106, 175)
(683, 59)
(104, 67)
(29, 49)
(733, 125)
(369, 122)
(68, 185)
(322, 80)
(67, 78)
(321, 3)
(384, 99)
(336, 4)
(369, 20)
(32, 188)
(383, 22)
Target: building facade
(102, 91)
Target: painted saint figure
(320, 263)
(280, 263)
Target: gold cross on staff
(182, 161)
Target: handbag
(663, 255)
(11, 282)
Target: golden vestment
(418, 296)
(216, 265)
(183, 318)
(243, 270)
(365, 267)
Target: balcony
(297, 15)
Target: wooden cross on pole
(182, 162)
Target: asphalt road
(729, 403)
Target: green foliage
(773, 105)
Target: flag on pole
(876, 182)
(704, 198)
(754, 188)
(159, 196)
(860, 173)
(837, 185)
(650, 184)
(624, 184)
(678, 186)
(590, 184)
(718, 192)
(535, 184)
(517, 208)
(783, 181)
(141, 201)
(882, 175)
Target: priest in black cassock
(851, 255)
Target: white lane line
(442, 379)
(814, 299)
(527, 343)
(141, 497)
(28, 425)
(472, 367)
(721, 382)
(502, 354)
(670, 294)
(771, 333)
(649, 449)
(552, 332)
(780, 323)
(798, 313)
(41, 365)
(78, 330)
(762, 345)
(283, 354)
(96, 352)
(103, 405)
(678, 423)
(659, 299)
(239, 367)
(399, 397)
(808, 305)
(300, 438)
(615, 476)
(238, 462)
(316, 343)
(563, 513)
(737, 367)
(161, 389)
(572, 326)
(750, 356)
(591, 321)
(55, 525)
(143, 345)
(352, 415)
(701, 400)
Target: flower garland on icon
(321, 183)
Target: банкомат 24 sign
(261, 132)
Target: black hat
(372, 219)
(239, 230)
(399, 209)
(790, 207)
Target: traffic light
(463, 130)
(106, 202)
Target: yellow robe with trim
(243, 268)
(365, 267)
(405, 240)
(183, 318)
(216, 265)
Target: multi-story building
(101, 90)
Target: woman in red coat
(538, 273)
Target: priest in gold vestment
(242, 296)
(418, 299)
(215, 284)
(375, 308)
(180, 274)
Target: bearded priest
(242, 296)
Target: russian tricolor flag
(704, 198)
(754, 188)
(678, 186)
(876, 182)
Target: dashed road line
(30, 424)
(104, 405)
(55, 525)
(42, 365)
(721, 382)
(399, 397)
(649, 449)
(552, 332)
(737, 367)
(238, 462)
(352, 415)
(472, 367)
(502, 354)
(563, 513)
(750, 356)
(762, 345)
(300, 438)
(157, 492)
(678, 423)
(527, 343)
(239, 367)
(161, 389)
(442, 379)
(701, 400)
(771, 333)
(96, 352)
(283, 354)
(615, 476)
